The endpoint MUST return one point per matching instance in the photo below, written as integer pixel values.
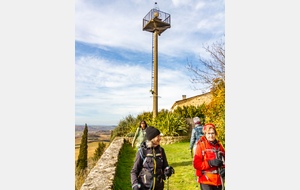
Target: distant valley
(96, 134)
(95, 128)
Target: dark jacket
(144, 174)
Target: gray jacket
(196, 134)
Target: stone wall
(165, 140)
(102, 176)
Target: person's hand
(169, 171)
(132, 146)
(190, 150)
(215, 162)
(222, 172)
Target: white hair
(196, 119)
(150, 143)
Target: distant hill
(95, 128)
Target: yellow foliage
(215, 110)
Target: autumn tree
(210, 74)
(82, 157)
(215, 110)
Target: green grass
(178, 156)
(125, 164)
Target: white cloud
(107, 89)
(200, 5)
(181, 3)
(203, 24)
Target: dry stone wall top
(165, 140)
(101, 177)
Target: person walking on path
(140, 134)
(150, 165)
(196, 134)
(209, 160)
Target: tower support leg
(155, 94)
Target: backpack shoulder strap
(140, 151)
(203, 146)
(142, 154)
(197, 132)
(161, 150)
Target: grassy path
(179, 158)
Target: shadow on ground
(185, 163)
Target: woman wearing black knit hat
(150, 165)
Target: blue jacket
(196, 134)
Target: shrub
(146, 116)
(99, 151)
(169, 124)
(130, 134)
(192, 111)
(80, 176)
(125, 125)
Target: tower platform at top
(156, 20)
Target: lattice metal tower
(156, 22)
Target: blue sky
(113, 55)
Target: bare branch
(208, 70)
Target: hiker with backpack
(196, 134)
(140, 134)
(209, 160)
(150, 166)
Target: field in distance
(95, 135)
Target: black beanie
(151, 132)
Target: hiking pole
(170, 172)
(194, 168)
(167, 182)
(221, 179)
(220, 176)
(217, 156)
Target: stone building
(195, 100)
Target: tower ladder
(152, 65)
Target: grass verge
(125, 164)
